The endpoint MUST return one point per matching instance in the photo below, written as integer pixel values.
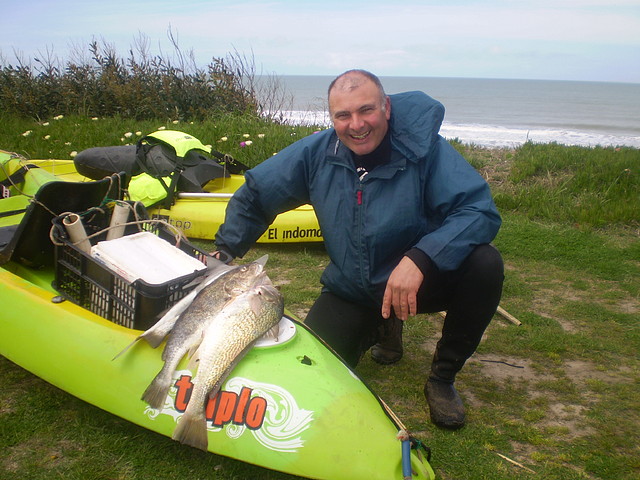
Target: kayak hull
(294, 406)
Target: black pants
(470, 295)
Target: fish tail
(192, 430)
(156, 393)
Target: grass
(559, 394)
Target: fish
(186, 328)
(157, 333)
(230, 334)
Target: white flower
(128, 135)
(175, 122)
(45, 124)
(162, 128)
(94, 118)
(224, 139)
(248, 142)
(47, 137)
(67, 143)
(261, 135)
(138, 133)
(73, 154)
(58, 117)
(27, 133)
(122, 139)
(246, 135)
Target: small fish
(230, 333)
(187, 331)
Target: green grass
(52, 138)
(559, 394)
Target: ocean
(503, 113)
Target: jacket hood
(416, 119)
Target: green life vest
(166, 157)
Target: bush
(140, 87)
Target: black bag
(99, 162)
(158, 159)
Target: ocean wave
(494, 135)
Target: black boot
(389, 349)
(445, 405)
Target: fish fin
(192, 430)
(273, 333)
(153, 338)
(193, 354)
(255, 303)
(193, 363)
(194, 358)
(163, 327)
(156, 393)
(127, 347)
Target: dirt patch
(504, 370)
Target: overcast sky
(593, 40)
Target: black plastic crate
(92, 285)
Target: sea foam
(492, 135)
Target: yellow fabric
(146, 189)
(180, 141)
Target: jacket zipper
(360, 227)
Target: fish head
(244, 277)
(265, 298)
(270, 293)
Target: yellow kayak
(198, 215)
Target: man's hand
(402, 290)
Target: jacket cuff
(422, 261)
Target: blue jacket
(427, 197)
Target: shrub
(141, 86)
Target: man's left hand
(402, 290)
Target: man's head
(360, 110)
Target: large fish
(230, 333)
(187, 322)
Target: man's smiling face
(360, 113)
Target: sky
(585, 40)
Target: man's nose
(357, 122)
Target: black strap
(231, 164)
(11, 213)
(18, 176)
(143, 147)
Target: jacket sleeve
(459, 201)
(276, 185)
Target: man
(406, 222)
